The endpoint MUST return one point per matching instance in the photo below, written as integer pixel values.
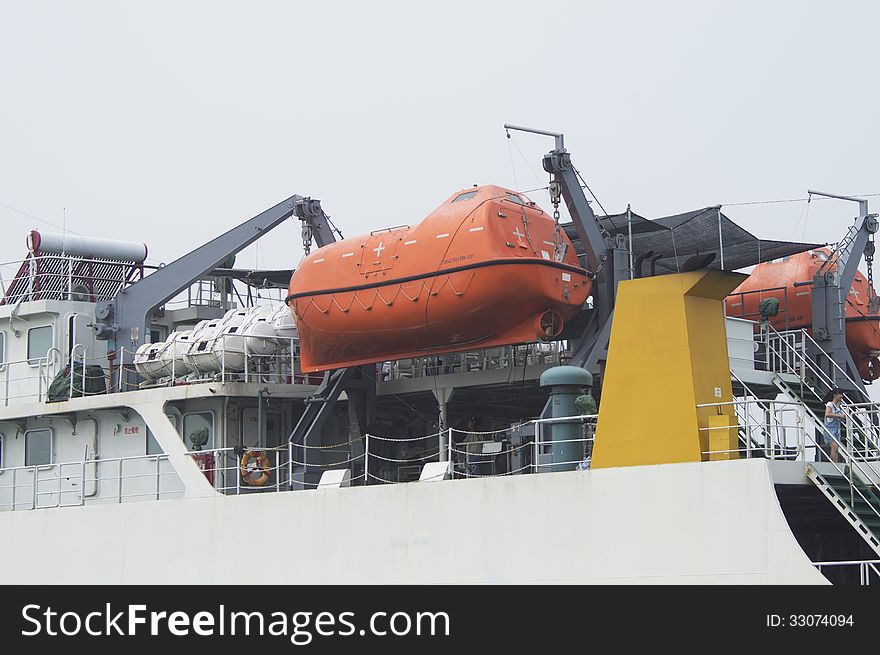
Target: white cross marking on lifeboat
(378, 249)
(519, 235)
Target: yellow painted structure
(723, 437)
(667, 354)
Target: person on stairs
(833, 416)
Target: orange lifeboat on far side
(777, 280)
(486, 268)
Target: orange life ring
(261, 466)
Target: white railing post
(70, 361)
(277, 472)
(237, 476)
(121, 367)
(535, 446)
(40, 383)
(449, 455)
(119, 480)
(289, 464)
(366, 460)
(749, 430)
(802, 437)
(158, 476)
(35, 487)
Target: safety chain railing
(377, 459)
(94, 481)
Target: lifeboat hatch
(379, 252)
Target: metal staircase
(857, 502)
(851, 485)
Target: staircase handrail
(850, 461)
(853, 463)
(866, 429)
(840, 369)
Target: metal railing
(64, 277)
(230, 361)
(731, 306)
(28, 380)
(224, 468)
(784, 439)
(774, 429)
(787, 353)
(66, 484)
(36, 375)
(507, 357)
(389, 460)
(861, 425)
(869, 570)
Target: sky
(171, 122)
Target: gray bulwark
(665, 245)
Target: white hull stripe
(548, 243)
(443, 236)
(409, 243)
(348, 254)
(476, 229)
(318, 261)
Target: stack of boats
(219, 346)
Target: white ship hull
(716, 522)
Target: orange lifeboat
(777, 280)
(486, 268)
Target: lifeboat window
(39, 343)
(198, 425)
(467, 195)
(515, 198)
(38, 447)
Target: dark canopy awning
(669, 242)
(260, 279)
